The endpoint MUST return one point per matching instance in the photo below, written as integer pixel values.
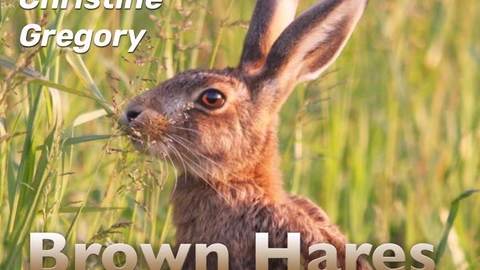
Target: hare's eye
(212, 99)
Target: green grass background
(384, 141)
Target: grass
(386, 141)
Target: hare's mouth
(146, 131)
(145, 138)
(161, 138)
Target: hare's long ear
(308, 46)
(269, 19)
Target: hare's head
(221, 125)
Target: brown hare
(219, 128)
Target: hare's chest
(233, 227)
(211, 219)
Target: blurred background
(384, 141)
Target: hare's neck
(215, 213)
(259, 177)
(198, 204)
(190, 188)
(200, 201)
(263, 184)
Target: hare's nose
(131, 115)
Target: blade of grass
(88, 138)
(82, 72)
(87, 117)
(26, 208)
(220, 34)
(87, 209)
(35, 77)
(451, 218)
(198, 34)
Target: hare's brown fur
(231, 185)
(243, 209)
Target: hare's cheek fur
(215, 141)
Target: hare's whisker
(174, 138)
(194, 153)
(197, 169)
(178, 140)
(180, 158)
(190, 149)
(155, 155)
(186, 129)
(178, 155)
